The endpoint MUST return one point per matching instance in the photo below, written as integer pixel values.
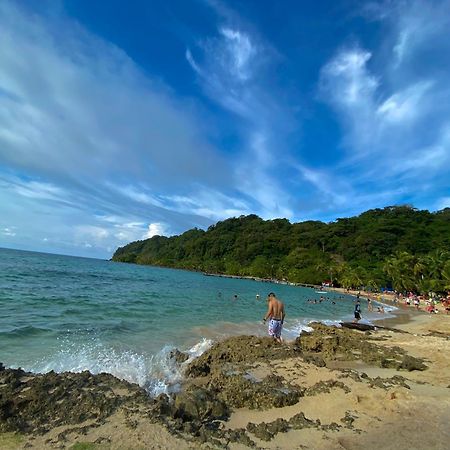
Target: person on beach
(369, 304)
(357, 311)
(275, 314)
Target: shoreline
(330, 388)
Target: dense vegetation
(397, 245)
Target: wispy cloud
(82, 126)
(96, 152)
(391, 134)
(230, 68)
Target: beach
(330, 389)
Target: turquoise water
(68, 313)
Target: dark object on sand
(358, 326)
(367, 327)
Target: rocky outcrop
(227, 376)
(331, 343)
(37, 403)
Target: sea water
(67, 313)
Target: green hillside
(363, 250)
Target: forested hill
(307, 252)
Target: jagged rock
(240, 392)
(299, 421)
(266, 431)
(199, 404)
(333, 343)
(314, 359)
(37, 403)
(325, 387)
(239, 436)
(410, 363)
(178, 356)
(240, 349)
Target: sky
(124, 120)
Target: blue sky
(122, 120)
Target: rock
(199, 404)
(266, 431)
(178, 356)
(299, 421)
(358, 326)
(332, 343)
(238, 350)
(317, 360)
(239, 392)
(348, 420)
(33, 403)
(325, 387)
(239, 436)
(410, 363)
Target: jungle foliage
(397, 245)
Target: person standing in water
(357, 311)
(275, 314)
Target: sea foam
(157, 373)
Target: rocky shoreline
(238, 379)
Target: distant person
(369, 304)
(235, 297)
(357, 311)
(257, 296)
(275, 314)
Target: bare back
(276, 309)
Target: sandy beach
(330, 389)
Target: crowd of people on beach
(432, 303)
(275, 313)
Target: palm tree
(349, 277)
(446, 274)
(400, 269)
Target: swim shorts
(275, 327)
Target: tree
(400, 269)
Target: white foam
(157, 373)
(330, 323)
(292, 329)
(198, 349)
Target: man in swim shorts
(357, 311)
(275, 314)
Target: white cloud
(231, 73)
(8, 231)
(77, 109)
(443, 202)
(405, 105)
(214, 205)
(394, 109)
(84, 133)
(239, 51)
(417, 24)
(155, 229)
(347, 80)
(138, 195)
(95, 232)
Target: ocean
(67, 313)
